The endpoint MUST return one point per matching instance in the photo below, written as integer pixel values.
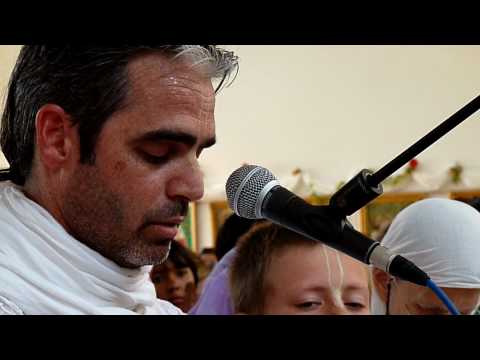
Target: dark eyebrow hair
(176, 136)
(208, 143)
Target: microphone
(253, 192)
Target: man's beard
(98, 217)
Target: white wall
(335, 109)
(332, 110)
(8, 55)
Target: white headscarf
(44, 270)
(440, 236)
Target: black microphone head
(246, 188)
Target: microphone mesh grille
(249, 191)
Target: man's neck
(41, 195)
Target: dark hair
(208, 251)
(474, 202)
(227, 237)
(181, 257)
(88, 82)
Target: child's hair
(182, 257)
(254, 254)
(208, 250)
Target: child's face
(173, 284)
(316, 280)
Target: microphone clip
(355, 194)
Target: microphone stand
(366, 186)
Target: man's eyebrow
(175, 136)
(208, 143)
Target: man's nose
(187, 183)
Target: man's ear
(380, 282)
(55, 136)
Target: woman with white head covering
(442, 237)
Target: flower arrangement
(406, 175)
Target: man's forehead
(156, 85)
(169, 96)
(160, 69)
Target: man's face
(128, 204)
(410, 299)
(315, 280)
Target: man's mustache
(172, 210)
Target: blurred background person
(209, 258)
(229, 233)
(203, 271)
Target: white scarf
(441, 237)
(44, 270)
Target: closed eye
(182, 272)
(157, 154)
(355, 305)
(157, 279)
(153, 159)
(309, 305)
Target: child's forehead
(316, 262)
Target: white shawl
(441, 237)
(44, 270)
